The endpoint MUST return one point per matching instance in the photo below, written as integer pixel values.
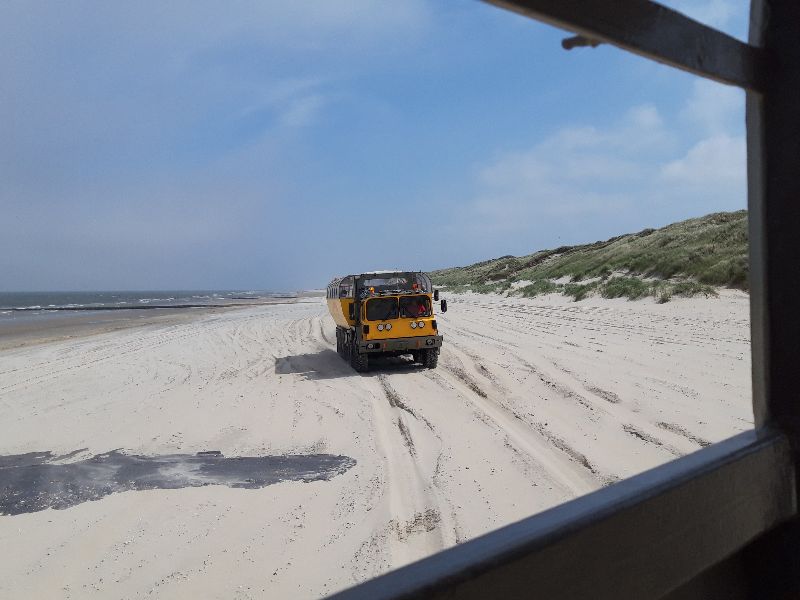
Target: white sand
(534, 402)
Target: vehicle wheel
(338, 342)
(359, 361)
(346, 347)
(430, 358)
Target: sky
(273, 145)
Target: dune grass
(632, 288)
(683, 259)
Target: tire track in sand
(416, 522)
(563, 467)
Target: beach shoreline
(27, 327)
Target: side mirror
(436, 295)
(444, 306)
(351, 311)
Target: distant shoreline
(29, 327)
(41, 302)
(142, 307)
(22, 326)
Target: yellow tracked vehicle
(387, 313)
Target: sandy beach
(535, 401)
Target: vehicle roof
(387, 272)
(338, 280)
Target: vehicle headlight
(380, 326)
(388, 326)
(420, 324)
(413, 325)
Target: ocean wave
(74, 301)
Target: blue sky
(267, 145)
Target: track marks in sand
(578, 457)
(414, 511)
(407, 440)
(677, 429)
(603, 407)
(461, 374)
(396, 401)
(646, 437)
(424, 522)
(562, 468)
(604, 394)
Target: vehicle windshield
(415, 306)
(394, 283)
(387, 282)
(381, 309)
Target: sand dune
(534, 402)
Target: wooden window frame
(721, 522)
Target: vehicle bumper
(400, 344)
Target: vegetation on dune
(683, 259)
(630, 287)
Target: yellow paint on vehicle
(339, 309)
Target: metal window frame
(722, 522)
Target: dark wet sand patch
(35, 481)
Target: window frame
(724, 517)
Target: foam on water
(50, 301)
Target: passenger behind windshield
(393, 283)
(415, 306)
(405, 282)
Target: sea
(39, 303)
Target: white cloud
(717, 162)
(289, 89)
(714, 107)
(294, 102)
(302, 111)
(639, 171)
(640, 128)
(576, 171)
